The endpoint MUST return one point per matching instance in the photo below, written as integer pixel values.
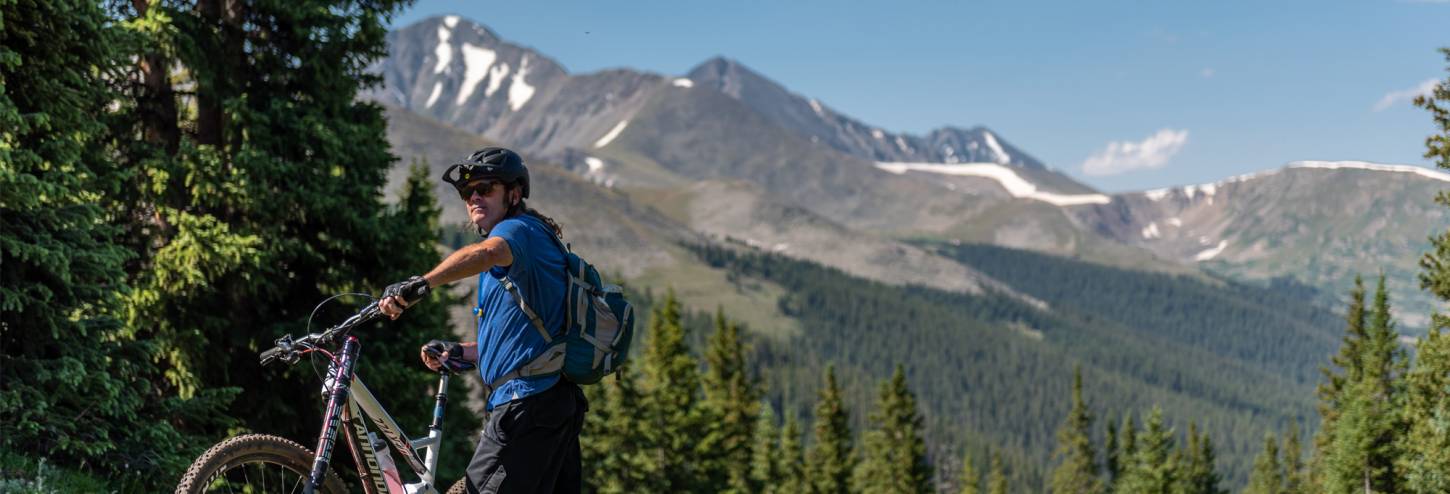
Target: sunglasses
(483, 187)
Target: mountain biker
(530, 441)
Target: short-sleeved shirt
(506, 338)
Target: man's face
(488, 202)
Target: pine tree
(997, 476)
(971, 480)
(1128, 443)
(1196, 473)
(895, 453)
(731, 398)
(1350, 368)
(614, 439)
(76, 387)
(1152, 470)
(1367, 429)
(832, 458)
(1268, 475)
(1111, 453)
(792, 464)
(1076, 469)
(1294, 474)
(1426, 445)
(1435, 265)
(1425, 462)
(671, 400)
(765, 474)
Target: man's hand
(401, 295)
(453, 355)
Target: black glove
(455, 361)
(409, 291)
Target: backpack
(598, 328)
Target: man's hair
(521, 208)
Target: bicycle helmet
(491, 162)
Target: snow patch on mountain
(1212, 253)
(683, 82)
(437, 90)
(1175, 222)
(520, 91)
(1151, 232)
(609, 136)
(477, 61)
(1013, 183)
(1364, 165)
(816, 106)
(1157, 194)
(451, 21)
(1002, 156)
(496, 74)
(443, 52)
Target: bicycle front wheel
(255, 463)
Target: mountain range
(644, 168)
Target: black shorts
(531, 444)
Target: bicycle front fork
(341, 371)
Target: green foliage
(1152, 469)
(765, 473)
(671, 401)
(1295, 481)
(1362, 448)
(832, 456)
(730, 406)
(792, 456)
(75, 386)
(1426, 445)
(612, 442)
(1435, 265)
(894, 459)
(997, 476)
(1076, 469)
(1268, 476)
(1197, 472)
(971, 481)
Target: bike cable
(311, 358)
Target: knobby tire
(254, 463)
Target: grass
(748, 300)
(25, 475)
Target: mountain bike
(261, 463)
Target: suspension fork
(342, 371)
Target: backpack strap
(538, 324)
(549, 362)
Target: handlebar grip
(270, 356)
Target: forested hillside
(995, 370)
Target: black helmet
(491, 162)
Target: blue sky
(1148, 94)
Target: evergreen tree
(1152, 469)
(1366, 438)
(997, 476)
(1295, 481)
(765, 473)
(792, 464)
(1426, 459)
(895, 453)
(971, 480)
(76, 387)
(1112, 455)
(1350, 367)
(1076, 469)
(671, 400)
(1435, 265)
(614, 439)
(831, 456)
(1196, 473)
(1268, 474)
(1426, 446)
(731, 398)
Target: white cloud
(1393, 98)
(1153, 152)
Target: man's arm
(468, 261)
(471, 260)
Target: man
(530, 442)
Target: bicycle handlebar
(289, 350)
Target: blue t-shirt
(506, 338)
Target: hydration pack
(598, 328)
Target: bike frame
(349, 400)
